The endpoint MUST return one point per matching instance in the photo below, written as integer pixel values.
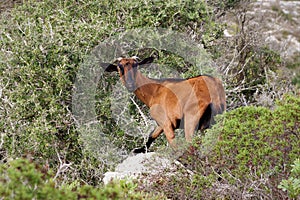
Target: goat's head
(127, 68)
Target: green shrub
(256, 142)
(22, 179)
(43, 43)
(292, 185)
(246, 154)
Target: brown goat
(174, 103)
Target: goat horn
(135, 57)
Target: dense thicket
(43, 45)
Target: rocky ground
(137, 165)
(277, 20)
(282, 27)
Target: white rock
(133, 166)
(227, 34)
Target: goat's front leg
(164, 125)
(151, 138)
(170, 135)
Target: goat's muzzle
(130, 87)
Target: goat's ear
(146, 61)
(109, 67)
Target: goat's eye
(135, 64)
(121, 68)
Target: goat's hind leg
(151, 138)
(190, 126)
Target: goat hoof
(139, 150)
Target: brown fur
(190, 104)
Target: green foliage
(22, 179)
(247, 153)
(257, 132)
(257, 142)
(42, 45)
(292, 184)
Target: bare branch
(140, 111)
(62, 166)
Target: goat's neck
(146, 88)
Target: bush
(22, 179)
(245, 155)
(43, 43)
(257, 144)
(292, 185)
